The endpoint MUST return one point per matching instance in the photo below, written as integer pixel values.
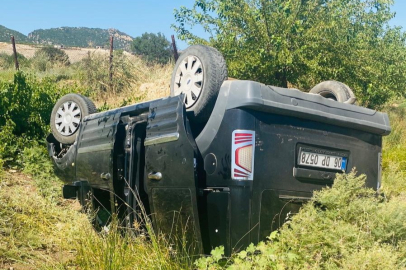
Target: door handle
(155, 176)
(105, 176)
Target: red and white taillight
(242, 161)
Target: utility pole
(15, 53)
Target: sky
(133, 17)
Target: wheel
(334, 90)
(67, 114)
(198, 75)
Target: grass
(35, 233)
(343, 227)
(40, 230)
(394, 152)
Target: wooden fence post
(175, 50)
(111, 64)
(15, 53)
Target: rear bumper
(77, 190)
(64, 167)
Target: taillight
(243, 146)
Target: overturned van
(223, 162)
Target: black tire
(334, 90)
(205, 75)
(65, 119)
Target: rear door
(170, 177)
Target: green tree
(304, 42)
(154, 47)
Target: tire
(67, 115)
(198, 74)
(334, 90)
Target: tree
(154, 47)
(304, 42)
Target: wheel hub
(68, 119)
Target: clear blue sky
(133, 17)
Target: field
(75, 54)
(88, 68)
(344, 227)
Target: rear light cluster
(242, 162)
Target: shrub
(25, 109)
(7, 61)
(394, 152)
(49, 57)
(94, 73)
(346, 226)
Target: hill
(80, 37)
(6, 33)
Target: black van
(224, 162)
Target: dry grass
(136, 80)
(75, 54)
(41, 231)
(150, 82)
(35, 233)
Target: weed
(346, 226)
(394, 152)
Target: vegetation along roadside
(346, 226)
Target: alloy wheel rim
(189, 80)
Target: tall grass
(394, 151)
(133, 79)
(343, 227)
(35, 233)
(39, 230)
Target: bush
(25, 110)
(394, 152)
(49, 57)
(94, 73)
(7, 61)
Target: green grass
(343, 227)
(35, 233)
(394, 152)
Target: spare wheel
(67, 115)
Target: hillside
(83, 37)
(6, 33)
(80, 37)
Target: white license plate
(322, 160)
